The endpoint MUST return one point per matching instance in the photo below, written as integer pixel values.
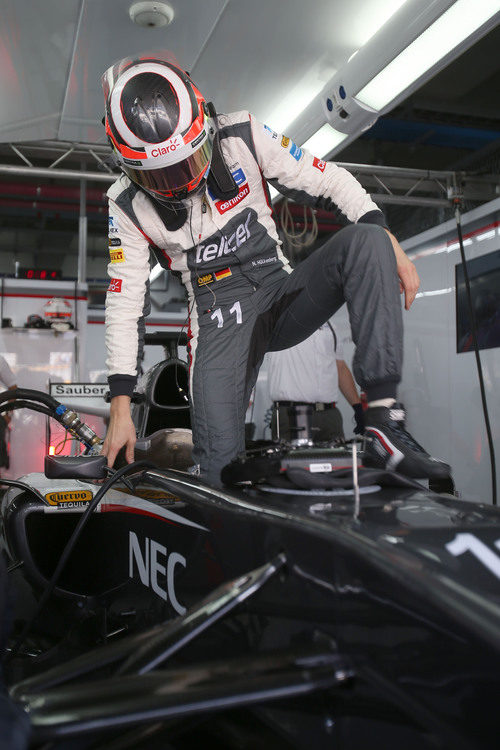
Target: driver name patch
(69, 499)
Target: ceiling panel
(35, 57)
(269, 56)
(272, 57)
(107, 34)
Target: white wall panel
(440, 387)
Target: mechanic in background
(7, 382)
(312, 373)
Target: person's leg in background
(358, 266)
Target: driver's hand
(121, 431)
(408, 276)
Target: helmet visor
(175, 177)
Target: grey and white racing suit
(244, 298)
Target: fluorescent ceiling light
(156, 271)
(293, 104)
(446, 33)
(324, 140)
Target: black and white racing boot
(389, 446)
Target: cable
(196, 244)
(60, 445)
(457, 202)
(71, 543)
(300, 239)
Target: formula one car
(297, 607)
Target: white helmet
(158, 125)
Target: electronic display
(44, 274)
(484, 277)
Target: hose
(27, 405)
(32, 395)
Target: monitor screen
(484, 276)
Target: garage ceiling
(269, 56)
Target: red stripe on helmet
(125, 151)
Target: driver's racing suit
(244, 298)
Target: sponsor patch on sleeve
(270, 132)
(115, 285)
(285, 141)
(115, 242)
(112, 226)
(239, 176)
(319, 164)
(117, 256)
(295, 151)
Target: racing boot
(389, 446)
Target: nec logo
(227, 245)
(152, 571)
(223, 206)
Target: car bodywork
(331, 622)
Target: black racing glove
(359, 418)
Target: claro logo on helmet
(226, 245)
(165, 148)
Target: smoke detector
(151, 14)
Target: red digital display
(45, 274)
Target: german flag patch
(222, 274)
(209, 278)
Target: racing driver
(194, 192)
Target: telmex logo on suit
(227, 245)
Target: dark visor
(175, 176)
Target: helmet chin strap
(172, 213)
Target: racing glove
(359, 418)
